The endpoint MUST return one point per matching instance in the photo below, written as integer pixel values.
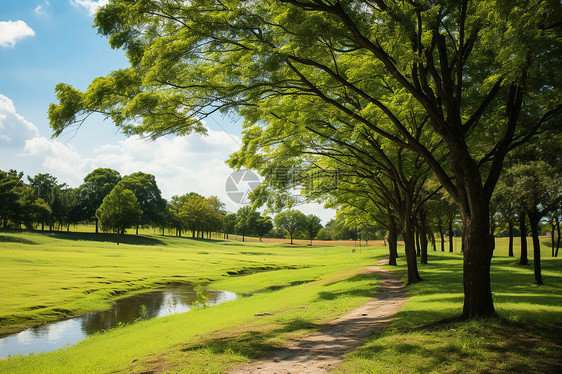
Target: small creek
(61, 334)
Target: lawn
(300, 286)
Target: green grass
(45, 277)
(301, 286)
(279, 280)
(525, 338)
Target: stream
(147, 305)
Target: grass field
(46, 276)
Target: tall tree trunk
(392, 241)
(442, 237)
(96, 225)
(534, 219)
(523, 228)
(451, 236)
(432, 238)
(410, 249)
(552, 227)
(558, 239)
(510, 230)
(418, 246)
(477, 258)
(137, 230)
(423, 237)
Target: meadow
(47, 276)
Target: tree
(9, 182)
(246, 219)
(148, 195)
(119, 210)
(47, 188)
(291, 221)
(475, 70)
(97, 185)
(312, 226)
(229, 225)
(535, 189)
(263, 225)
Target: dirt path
(322, 352)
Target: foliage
(148, 195)
(119, 210)
(97, 185)
(197, 213)
(292, 221)
(312, 226)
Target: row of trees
(117, 203)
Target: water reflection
(62, 334)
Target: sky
(43, 43)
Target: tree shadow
(105, 237)
(15, 239)
(252, 344)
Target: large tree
(292, 221)
(484, 73)
(148, 195)
(119, 211)
(97, 185)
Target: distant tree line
(115, 204)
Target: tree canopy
(466, 79)
(119, 210)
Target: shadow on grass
(493, 345)
(15, 239)
(252, 344)
(105, 237)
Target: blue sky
(43, 43)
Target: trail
(322, 352)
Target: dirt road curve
(322, 352)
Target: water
(57, 335)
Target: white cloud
(180, 164)
(89, 5)
(11, 32)
(41, 9)
(14, 129)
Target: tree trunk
(418, 247)
(432, 237)
(523, 228)
(451, 236)
(96, 225)
(510, 229)
(552, 227)
(409, 241)
(442, 238)
(558, 239)
(477, 258)
(423, 238)
(534, 219)
(392, 241)
(410, 249)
